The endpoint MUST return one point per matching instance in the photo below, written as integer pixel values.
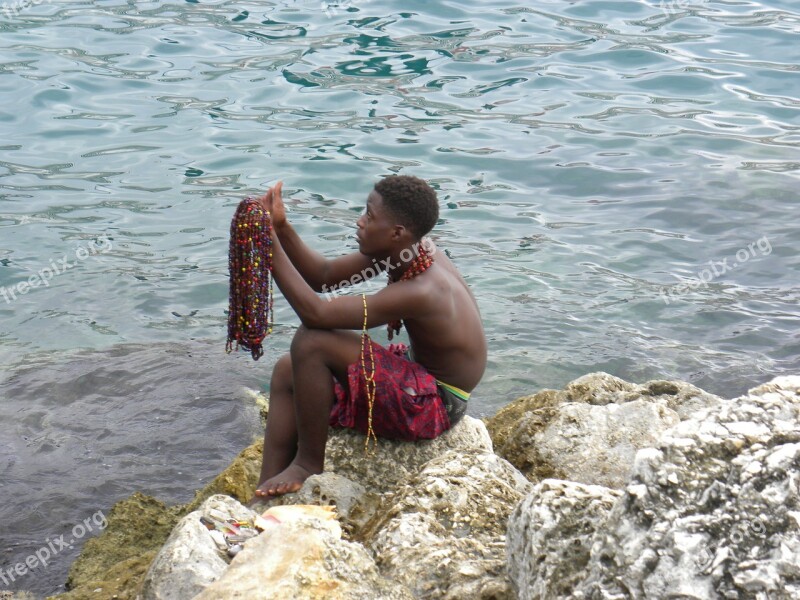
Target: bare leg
(317, 356)
(280, 436)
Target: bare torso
(450, 343)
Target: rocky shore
(605, 489)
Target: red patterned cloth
(407, 403)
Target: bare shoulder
(446, 291)
(447, 265)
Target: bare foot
(289, 480)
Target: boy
(321, 381)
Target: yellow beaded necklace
(369, 378)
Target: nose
(360, 222)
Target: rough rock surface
(238, 480)
(392, 460)
(303, 560)
(355, 505)
(115, 560)
(710, 510)
(590, 431)
(190, 561)
(714, 511)
(358, 483)
(597, 444)
(443, 533)
(550, 536)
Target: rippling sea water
(589, 156)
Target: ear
(400, 233)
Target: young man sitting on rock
(336, 377)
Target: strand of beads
(251, 287)
(369, 377)
(418, 266)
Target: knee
(307, 340)
(282, 372)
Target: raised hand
(276, 206)
(273, 202)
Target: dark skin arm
(317, 271)
(438, 309)
(399, 301)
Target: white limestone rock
(303, 560)
(190, 560)
(550, 537)
(595, 445)
(357, 483)
(590, 431)
(443, 533)
(712, 512)
(392, 461)
(602, 389)
(355, 506)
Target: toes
(271, 489)
(265, 491)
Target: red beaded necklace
(250, 264)
(421, 263)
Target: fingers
(266, 200)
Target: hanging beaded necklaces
(250, 264)
(421, 263)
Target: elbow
(311, 323)
(313, 317)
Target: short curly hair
(411, 201)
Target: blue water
(589, 157)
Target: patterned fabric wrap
(407, 403)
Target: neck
(398, 267)
(401, 261)
(410, 262)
